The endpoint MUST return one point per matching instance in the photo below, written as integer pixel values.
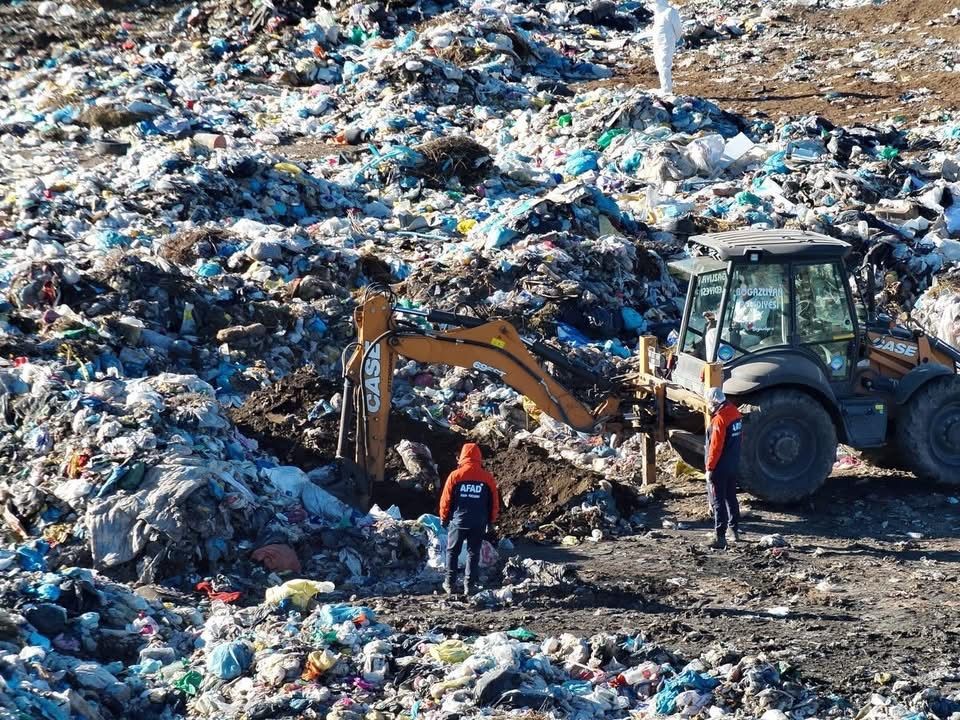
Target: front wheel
(928, 432)
(789, 446)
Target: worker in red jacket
(469, 507)
(722, 462)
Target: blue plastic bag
(33, 555)
(688, 680)
(331, 615)
(582, 161)
(775, 163)
(230, 660)
(632, 320)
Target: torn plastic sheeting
(119, 527)
(321, 503)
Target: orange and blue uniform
(722, 462)
(469, 505)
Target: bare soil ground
(862, 65)
(852, 596)
(869, 583)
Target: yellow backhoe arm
(491, 347)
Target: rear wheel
(929, 431)
(789, 446)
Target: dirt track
(863, 65)
(861, 596)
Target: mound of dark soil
(535, 488)
(277, 417)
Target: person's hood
(470, 454)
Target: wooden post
(648, 344)
(712, 378)
(649, 469)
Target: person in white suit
(667, 30)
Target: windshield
(701, 328)
(757, 316)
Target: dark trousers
(456, 537)
(722, 492)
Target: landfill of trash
(190, 212)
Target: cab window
(757, 315)
(824, 319)
(703, 316)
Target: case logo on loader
(905, 349)
(483, 367)
(371, 377)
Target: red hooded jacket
(470, 492)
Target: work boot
(470, 587)
(719, 542)
(448, 586)
(737, 535)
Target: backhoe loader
(769, 315)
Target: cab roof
(773, 243)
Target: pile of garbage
(180, 239)
(77, 645)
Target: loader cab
(756, 294)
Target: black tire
(789, 446)
(929, 431)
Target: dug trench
(286, 420)
(868, 584)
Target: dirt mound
(278, 417)
(911, 12)
(536, 488)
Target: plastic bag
(450, 652)
(299, 592)
(189, 683)
(331, 615)
(318, 662)
(521, 634)
(230, 660)
(318, 501)
(581, 161)
(287, 479)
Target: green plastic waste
(189, 683)
(131, 481)
(889, 153)
(521, 634)
(748, 198)
(565, 120)
(358, 36)
(604, 140)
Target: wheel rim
(945, 434)
(786, 449)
